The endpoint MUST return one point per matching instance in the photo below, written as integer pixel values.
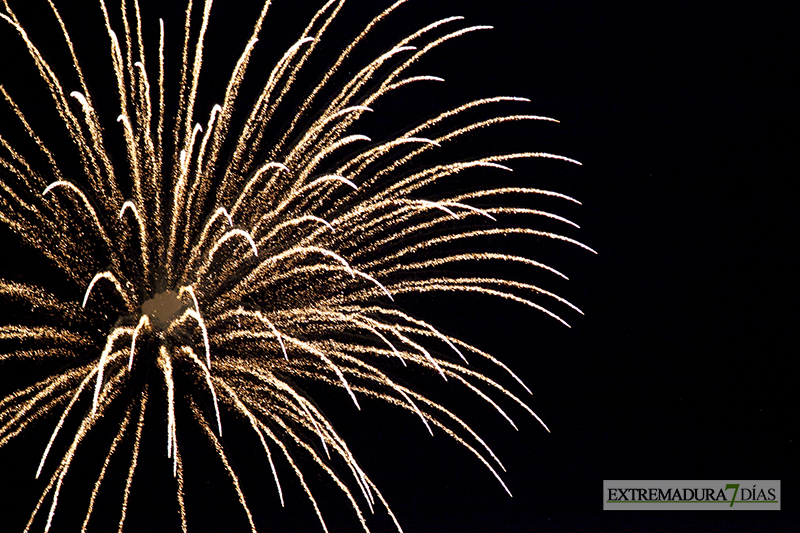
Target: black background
(681, 366)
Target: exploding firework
(233, 260)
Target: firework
(228, 259)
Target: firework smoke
(233, 256)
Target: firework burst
(224, 262)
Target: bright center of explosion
(163, 309)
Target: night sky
(679, 367)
